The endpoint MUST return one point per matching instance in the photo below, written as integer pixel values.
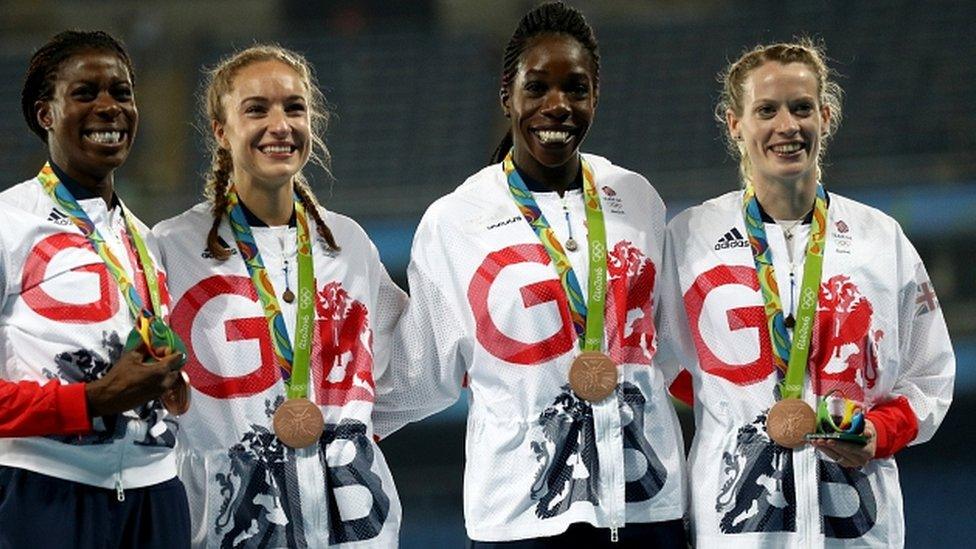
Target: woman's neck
(556, 178)
(271, 204)
(786, 200)
(102, 186)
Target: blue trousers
(38, 511)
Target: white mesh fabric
(64, 318)
(870, 340)
(425, 369)
(244, 486)
(486, 303)
(927, 362)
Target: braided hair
(219, 82)
(548, 18)
(43, 69)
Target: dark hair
(44, 65)
(548, 18)
(219, 82)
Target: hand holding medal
(150, 332)
(159, 340)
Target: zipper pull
(614, 538)
(119, 493)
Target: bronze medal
(298, 423)
(789, 421)
(177, 399)
(593, 376)
(571, 244)
(288, 296)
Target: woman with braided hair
(86, 437)
(534, 283)
(287, 313)
(808, 323)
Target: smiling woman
(798, 314)
(88, 454)
(91, 118)
(572, 439)
(551, 103)
(288, 335)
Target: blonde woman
(286, 311)
(815, 342)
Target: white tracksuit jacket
(64, 318)
(879, 335)
(487, 309)
(246, 489)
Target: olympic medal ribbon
(292, 361)
(149, 326)
(66, 201)
(790, 357)
(587, 317)
(305, 321)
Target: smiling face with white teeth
(551, 105)
(91, 118)
(782, 123)
(266, 127)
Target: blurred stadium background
(413, 88)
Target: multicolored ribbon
(64, 199)
(589, 327)
(790, 358)
(294, 364)
(149, 327)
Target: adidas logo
(58, 217)
(206, 251)
(732, 239)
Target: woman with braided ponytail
(534, 282)
(287, 313)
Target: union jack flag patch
(925, 299)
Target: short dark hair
(44, 65)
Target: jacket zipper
(119, 491)
(127, 439)
(610, 437)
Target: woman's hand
(131, 382)
(848, 454)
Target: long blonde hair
(733, 80)
(219, 82)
